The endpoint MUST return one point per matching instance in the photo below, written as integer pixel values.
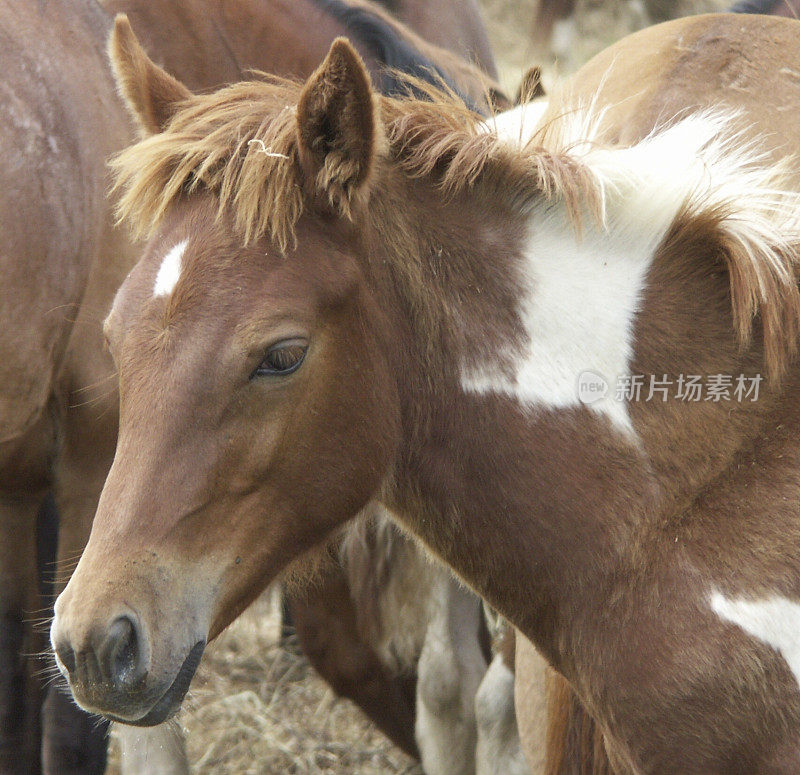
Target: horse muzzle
(111, 672)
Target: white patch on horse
(518, 125)
(170, 270)
(774, 620)
(581, 293)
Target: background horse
(215, 43)
(557, 32)
(632, 542)
(58, 251)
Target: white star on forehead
(170, 270)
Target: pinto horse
(361, 312)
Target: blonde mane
(241, 145)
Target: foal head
(258, 411)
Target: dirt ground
(256, 708)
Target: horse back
(708, 62)
(207, 43)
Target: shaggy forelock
(240, 144)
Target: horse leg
(530, 699)
(325, 620)
(74, 741)
(19, 598)
(451, 667)
(499, 751)
(160, 749)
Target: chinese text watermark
(682, 387)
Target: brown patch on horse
(337, 128)
(574, 742)
(152, 95)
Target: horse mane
(390, 5)
(398, 56)
(240, 144)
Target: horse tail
(574, 743)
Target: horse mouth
(170, 702)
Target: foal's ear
(151, 94)
(531, 86)
(338, 128)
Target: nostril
(121, 654)
(66, 656)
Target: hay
(257, 708)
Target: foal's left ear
(338, 128)
(151, 94)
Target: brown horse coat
(319, 327)
(60, 261)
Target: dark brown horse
(399, 302)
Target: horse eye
(282, 358)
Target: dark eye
(282, 358)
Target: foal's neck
(534, 505)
